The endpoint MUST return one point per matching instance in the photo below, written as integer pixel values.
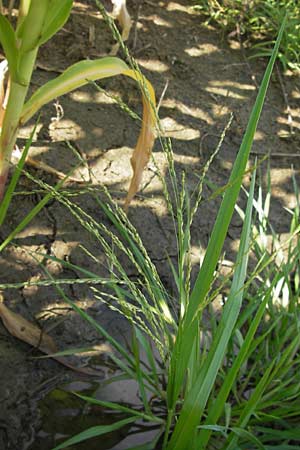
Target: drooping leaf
(80, 74)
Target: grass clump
(258, 22)
(216, 381)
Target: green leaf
(250, 407)
(95, 431)
(218, 405)
(188, 330)
(120, 408)
(196, 398)
(56, 17)
(240, 432)
(8, 42)
(32, 25)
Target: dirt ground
(205, 77)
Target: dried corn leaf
(31, 334)
(78, 75)
(26, 331)
(142, 151)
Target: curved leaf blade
(83, 72)
(74, 77)
(95, 431)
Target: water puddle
(62, 415)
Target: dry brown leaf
(121, 13)
(31, 334)
(142, 151)
(48, 169)
(25, 330)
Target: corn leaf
(80, 74)
(56, 17)
(8, 42)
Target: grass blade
(187, 331)
(120, 408)
(196, 398)
(218, 405)
(95, 431)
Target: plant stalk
(35, 12)
(10, 126)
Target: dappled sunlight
(233, 84)
(26, 131)
(295, 94)
(220, 110)
(291, 120)
(259, 135)
(81, 96)
(174, 6)
(197, 254)
(171, 128)
(228, 88)
(72, 131)
(202, 49)
(225, 92)
(153, 64)
(198, 113)
(157, 20)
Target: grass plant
(206, 395)
(239, 388)
(258, 22)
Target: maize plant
(38, 21)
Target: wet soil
(205, 77)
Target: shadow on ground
(204, 79)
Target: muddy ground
(205, 77)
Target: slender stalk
(168, 427)
(11, 118)
(35, 11)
